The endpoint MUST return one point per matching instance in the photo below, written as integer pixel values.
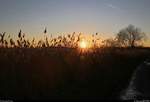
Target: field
(63, 73)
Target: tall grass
(55, 69)
(69, 41)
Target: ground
(56, 73)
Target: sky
(106, 17)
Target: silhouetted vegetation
(69, 41)
(130, 36)
(55, 68)
(52, 73)
(127, 37)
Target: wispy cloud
(112, 6)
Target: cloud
(112, 6)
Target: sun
(83, 44)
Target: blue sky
(88, 16)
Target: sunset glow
(83, 44)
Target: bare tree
(130, 36)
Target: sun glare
(83, 44)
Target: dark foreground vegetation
(65, 73)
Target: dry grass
(53, 73)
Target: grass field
(63, 73)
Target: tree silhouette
(130, 36)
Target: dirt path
(139, 86)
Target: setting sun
(83, 44)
